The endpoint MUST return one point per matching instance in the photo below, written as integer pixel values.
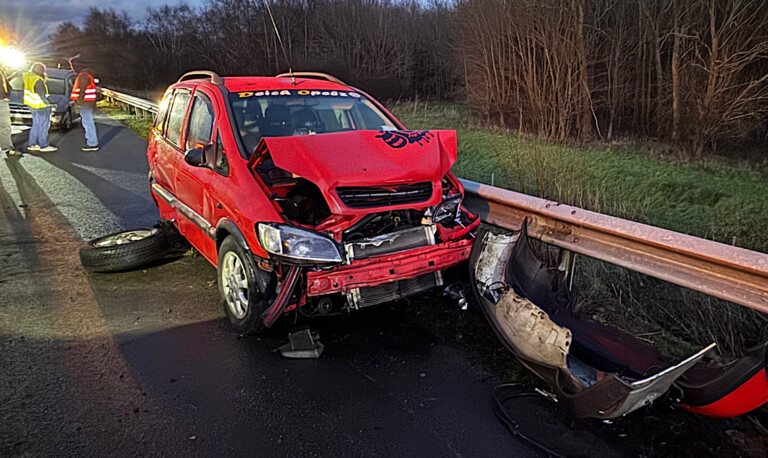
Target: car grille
(373, 295)
(402, 240)
(385, 197)
(19, 110)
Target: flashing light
(11, 57)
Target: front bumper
(388, 268)
(21, 116)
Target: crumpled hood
(366, 159)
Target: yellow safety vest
(30, 96)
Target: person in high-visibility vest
(36, 98)
(6, 142)
(84, 94)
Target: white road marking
(84, 211)
(9, 185)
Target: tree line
(693, 72)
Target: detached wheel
(124, 250)
(243, 288)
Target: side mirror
(195, 156)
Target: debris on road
(597, 371)
(302, 344)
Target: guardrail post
(566, 262)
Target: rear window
(302, 112)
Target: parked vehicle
(60, 82)
(306, 194)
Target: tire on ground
(124, 250)
(244, 301)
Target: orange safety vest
(90, 90)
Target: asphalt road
(144, 362)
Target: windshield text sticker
(303, 92)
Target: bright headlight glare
(299, 244)
(11, 57)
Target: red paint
(363, 158)
(750, 395)
(376, 271)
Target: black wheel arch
(227, 227)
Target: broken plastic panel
(596, 370)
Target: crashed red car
(306, 194)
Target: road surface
(144, 362)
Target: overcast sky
(34, 20)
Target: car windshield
(302, 112)
(55, 86)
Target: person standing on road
(36, 98)
(6, 142)
(84, 94)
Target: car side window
(176, 117)
(163, 113)
(200, 130)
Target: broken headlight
(297, 244)
(448, 209)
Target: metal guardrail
(716, 269)
(730, 273)
(136, 105)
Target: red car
(306, 194)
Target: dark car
(306, 193)
(60, 82)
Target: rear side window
(176, 117)
(162, 113)
(200, 128)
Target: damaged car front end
(595, 370)
(363, 222)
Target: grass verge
(141, 126)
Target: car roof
(58, 73)
(271, 83)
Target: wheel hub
(235, 284)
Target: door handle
(219, 206)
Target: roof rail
(213, 76)
(312, 75)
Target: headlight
(448, 208)
(298, 244)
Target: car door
(193, 183)
(73, 109)
(168, 146)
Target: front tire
(244, 288)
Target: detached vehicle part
(125, 250)
(595, 370)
